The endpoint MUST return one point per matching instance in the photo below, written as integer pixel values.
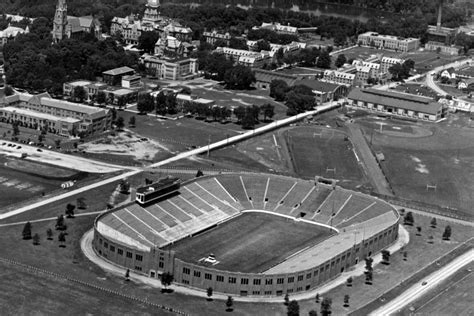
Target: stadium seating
(255, 186)
(370, 212)
(277, 188)
(355, 204)
(331, 205)
(234, 185)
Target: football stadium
(245, 234)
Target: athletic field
(250, 243)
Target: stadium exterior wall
(157, 261)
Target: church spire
(60, 21)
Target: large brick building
(389, 42)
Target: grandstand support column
(208, 145)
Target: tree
(324, 60)
(312, 313)
(418, 230)
(121, 102)
(316, 299)
(147, 41)
(101, 97)
(62, 239)
(286, 299)
(131, 121)
(57, 143)
(146, 103)
(237, 43)
(278, 89)
(326, 306)
(60, 225)
(368, 277)
(229, 303)
(8, 90)
(199, 174)
(124, 187)
(349, 281)
(263, 45)
(239, 77)
(405, 255)
(433, 222)
(340, 61)
(119, 123)
(16, 128)
(386, 257)
(70, 210)
(346, 300)
(49, 234)
(368, 264)
(268, 111)
(431, 239)
(166, 279)
(293, 308)
(127, 275)
(81, 203)
(79, 94)
(447, 233)
(36, 239)
(40, 138)
(408, 219)
(209, 293)
(27, 231)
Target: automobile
(18, 147)
(144, 139)
(3, 144)
(424, 283)
(10, 145)
(39, 150)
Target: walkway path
(375, 174)
(433, 280)
(357, 270)
(186, 154)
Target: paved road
(228, 141)
(417, 290)
(375, 174)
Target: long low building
(41, 110)
(397, 104)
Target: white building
(388, 62)
(339, 77)
(389, 42)
(279, 28)
(10, 33)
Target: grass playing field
(324, 152)
(444, 159)
(252, 242)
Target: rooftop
(118, 71)
(397, 99)
(317, 85)
(39, 115)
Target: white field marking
(275, 141)
(307, 195)
(156, 218)
(140, 220)
(340, 209)
(179, 208)
(266, 190)
(365, 209)
(225, 190)
(245, 190)
(324, 202)
(176, 220)
(192, 205)
(283, 198)
(133, 229)
(294, 208)
(223, 202)
(211, 205)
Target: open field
(426, 60)
(324, 152)
(444, 159)
(28, 290)
(452, 297)
(415, 88)
(252, 242)
(420, 255)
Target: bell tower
(60, 21)
(151, 12)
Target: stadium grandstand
(212, 232)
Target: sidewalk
(357, 270)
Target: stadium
(246, 234)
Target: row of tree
(298, 98)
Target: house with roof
(387, 62)
(58, 116)
(10, 33)
(178, 68)
(67, 26)
(466, 84)
(449, 73)
(339, 77)
(389, 42)
(114, 76)
(397, 104)
(214, 36)
(264, 78)
(324, 91)
(278, 28)
(245, 57)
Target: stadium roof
(316, 85)
(157, 185)
(396, 99)
(335, 245)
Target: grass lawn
(252, 242)
(314, 149)
(415, 88)
(444, 159)
(428, 60)
(25, 290)
(452, 297)
(420, 255)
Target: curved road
(432, 281)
